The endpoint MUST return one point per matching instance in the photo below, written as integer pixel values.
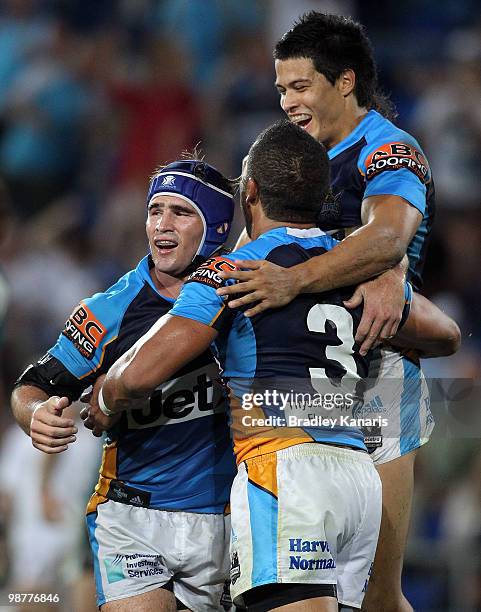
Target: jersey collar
(356, 134)
(143, 271)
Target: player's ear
(346, 82)
(251, 194)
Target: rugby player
(306, 501)
(383, 208)
(156, 521)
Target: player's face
(174, 230)
(309, 99)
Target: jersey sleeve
(76, 360)
(198, 299)
(396, 168)
(51, 376)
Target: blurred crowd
(94, 96)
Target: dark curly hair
(334, 44)
(291, 170)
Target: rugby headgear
(207, 191)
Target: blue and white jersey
(308, 340)
(177, 453)
(377, 158)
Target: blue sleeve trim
(199, 303)
(400, 183)
(81, 348)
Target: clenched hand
(49, 430)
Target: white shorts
(307, 514)
(397, 393)
(140, 549)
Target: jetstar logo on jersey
(84, 330)
(194, 395)
(394, 156)
(208, 272)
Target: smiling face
(174, 230)
(311, 101)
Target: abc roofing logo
(168, 181)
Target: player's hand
(263, 283)
(49, 430)
(384, 301)
(93, 418)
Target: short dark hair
(334, 44)
(291, 170)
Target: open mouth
(165, 246)
(301, 120)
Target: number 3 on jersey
(317, 318)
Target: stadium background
(94, 95)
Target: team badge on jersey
(84, 330)
(208, 272)
(394, 156)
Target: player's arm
(40, 417)
(390, 223)
(428, 330)
(169, 345)
(47, 387)
(92, 416)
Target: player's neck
(166, 285)
(265, 225)
(347, 123)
